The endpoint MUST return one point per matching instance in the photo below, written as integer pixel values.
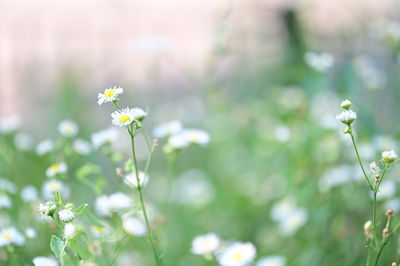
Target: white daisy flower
(293, 222)
(167, 129)
(347, 117)
(273, 260)
(47, 208)
(139, 114)
(106, 205)
(389, 156)
(5, 201)
(52, 186)
(178, 141)
(44, 147)
(30, 232)
(197, 136)
(68, 128)
(205, 244)
(100, 231)
(66, 215)
(56, 168)
(109, 135)
(81, 146)
(123, 117)
(134, 226)
(29, 193)
(11, 236)
(283, 209)
(23, 141)
(45, 261)
(346, 104)
(282, 133)
(130, 179)
(237, 254)
(7, 186)
(109, 95)
(9, 124)
(70, 231)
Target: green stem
(359, 161)
(139, 188)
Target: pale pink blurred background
(146, 42)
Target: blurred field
(263, 78)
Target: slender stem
(369, 252)
(374, 218)
(359, 161)
(139, 188)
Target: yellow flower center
(109, 93)
(7, 237)
(55, 167)
(237, 256)
(124, 118)
(99, 229)
(54, 186)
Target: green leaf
(56, 245)
(81, 209)
(81, 248)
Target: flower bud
(346, 104)
(385, 233)
(347, 117)
(394, 263)
(66, 215)
(389, 156)
(368, 229)
(389, 212)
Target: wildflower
(30, 232)
(70, 231)
(347, 117)
(237, 254)
(66, 215)
(11, 236)
(131, 180)
(282, 133)
(106, 205)
(139, 114)
(134, 226)
(293, 222)
(123, 117)
(368, 229)
(68, 128)
(320, 62)
(385, 232)
(389, 212)
(7, 186)
(197, 136)
(109, 95)
(374, 168)
(5, 201)
(56, 168)
(167, 129)
(389, 156)
(205, 244)
(81, 146)
(9, 124)
(47, 209)
(103, 137)
(44, 147)
(273, 260)
(53, 186)
(346, 104)
(178, 141)
(45, 261)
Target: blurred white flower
(47, 208)
(45, 261)
(11, 236)
(283, 209)
(56, 168)
(133, 226)
(106, 205)
(81, 146)
(44, 147)
(320, 62)
(293, 222)
(139, 114)
(106, 136)
(9, 124)
(52, 186)
(66, 215)
(389, 156)
(5, 201)
(70, 231)
(123, 117)
(205, 244)
(109, 95)
(167, 129)
(178, 141)
(187, 136)
(7, 186)
(130, 179)
(100, 231)
(29, 193)
(30, 232)
(347, 117)
(237, 254)
(282, 133)
(23, 141)
(68, 128)
(336, 176)
(273, 260)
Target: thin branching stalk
(132, 133)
